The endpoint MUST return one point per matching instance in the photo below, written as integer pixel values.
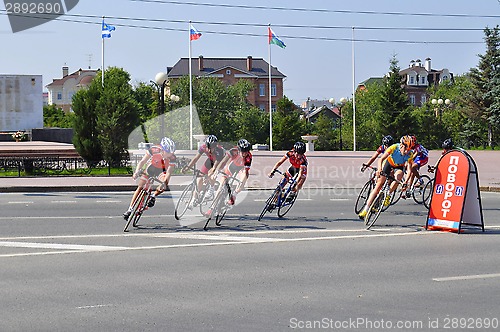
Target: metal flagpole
(190, 93)
(102, 55)
(353, 95)
(270, 102)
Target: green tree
(54, 116)
(287, 126)
(85, 137)
(118, 115)
(325, 128)
(393, 115)
(252, 124)
(484, 99)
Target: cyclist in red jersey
(298, 162)
(158, 161)
(237, 162)
(421, 158)
(387, 141)
(215, 153)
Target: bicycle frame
(278, 199)
(377, 205)
(188, 195)
(219, 205)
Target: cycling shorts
(293, 170)
(387, 168)
(421, 160)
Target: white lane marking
(340, 199)
(18, 244)
(94, 306)
(57, 202)
(108, 201)
(214, 237)
(21, 202)
(471, 277)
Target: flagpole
(190, 93)
(102, 56)
(270, 103)
(353, 95)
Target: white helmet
(167, 145)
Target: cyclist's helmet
(167, 144)
(210, 140)
(448, 144)
(387, 140)
(407, 141)
(244, 145)
(413, 140)
(299, 147)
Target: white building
(21, 102)
(61, 90)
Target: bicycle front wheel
(184, 201)
(418, 193)
(427, 194)
(137, 209)
(375, 210)
(286, 205)
(271, 202)
(363, 196)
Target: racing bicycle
(141, 202)
(280, 198)
(191, 196)
(220, 203)
(377, 205)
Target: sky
(152, 35)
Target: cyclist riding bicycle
(447, 146)
(387, 141)
(159, 162)
(215, 153)
(298, 162)
(394, 159)
(421, 157)
(237, 162)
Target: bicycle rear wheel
(427, 194)
(271, 202)
(418, 193)
(137, 209)
(363, 196)
(205, 200)
(286, 206)
(184, 200)
(375, 210)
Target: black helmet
(210, 139)
(387, 140)
(299, 147)
(244, 145)
(448, 144)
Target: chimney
(412, 63)
(428, 64)
(249, 63)
(200, 62)
(65, 71)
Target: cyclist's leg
(378, 186)
(140, 185)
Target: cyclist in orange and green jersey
(395, 158)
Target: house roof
(259, 68)
(80, 75)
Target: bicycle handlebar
(365, 166)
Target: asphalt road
(67, 266)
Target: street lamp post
(339, 105)
(438, 103)
(160, 82)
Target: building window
(262, 107)
(228, 72)
(273, 108)
(423, 80)
(412, 99)
(262, 90)
(273, 90)
(412, 80)
(59, 96)
(423, 99)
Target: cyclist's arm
(372, 159)
(278, 164)
(141, 164)
(192, 162)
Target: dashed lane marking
(470, 277)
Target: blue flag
(106, 30)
